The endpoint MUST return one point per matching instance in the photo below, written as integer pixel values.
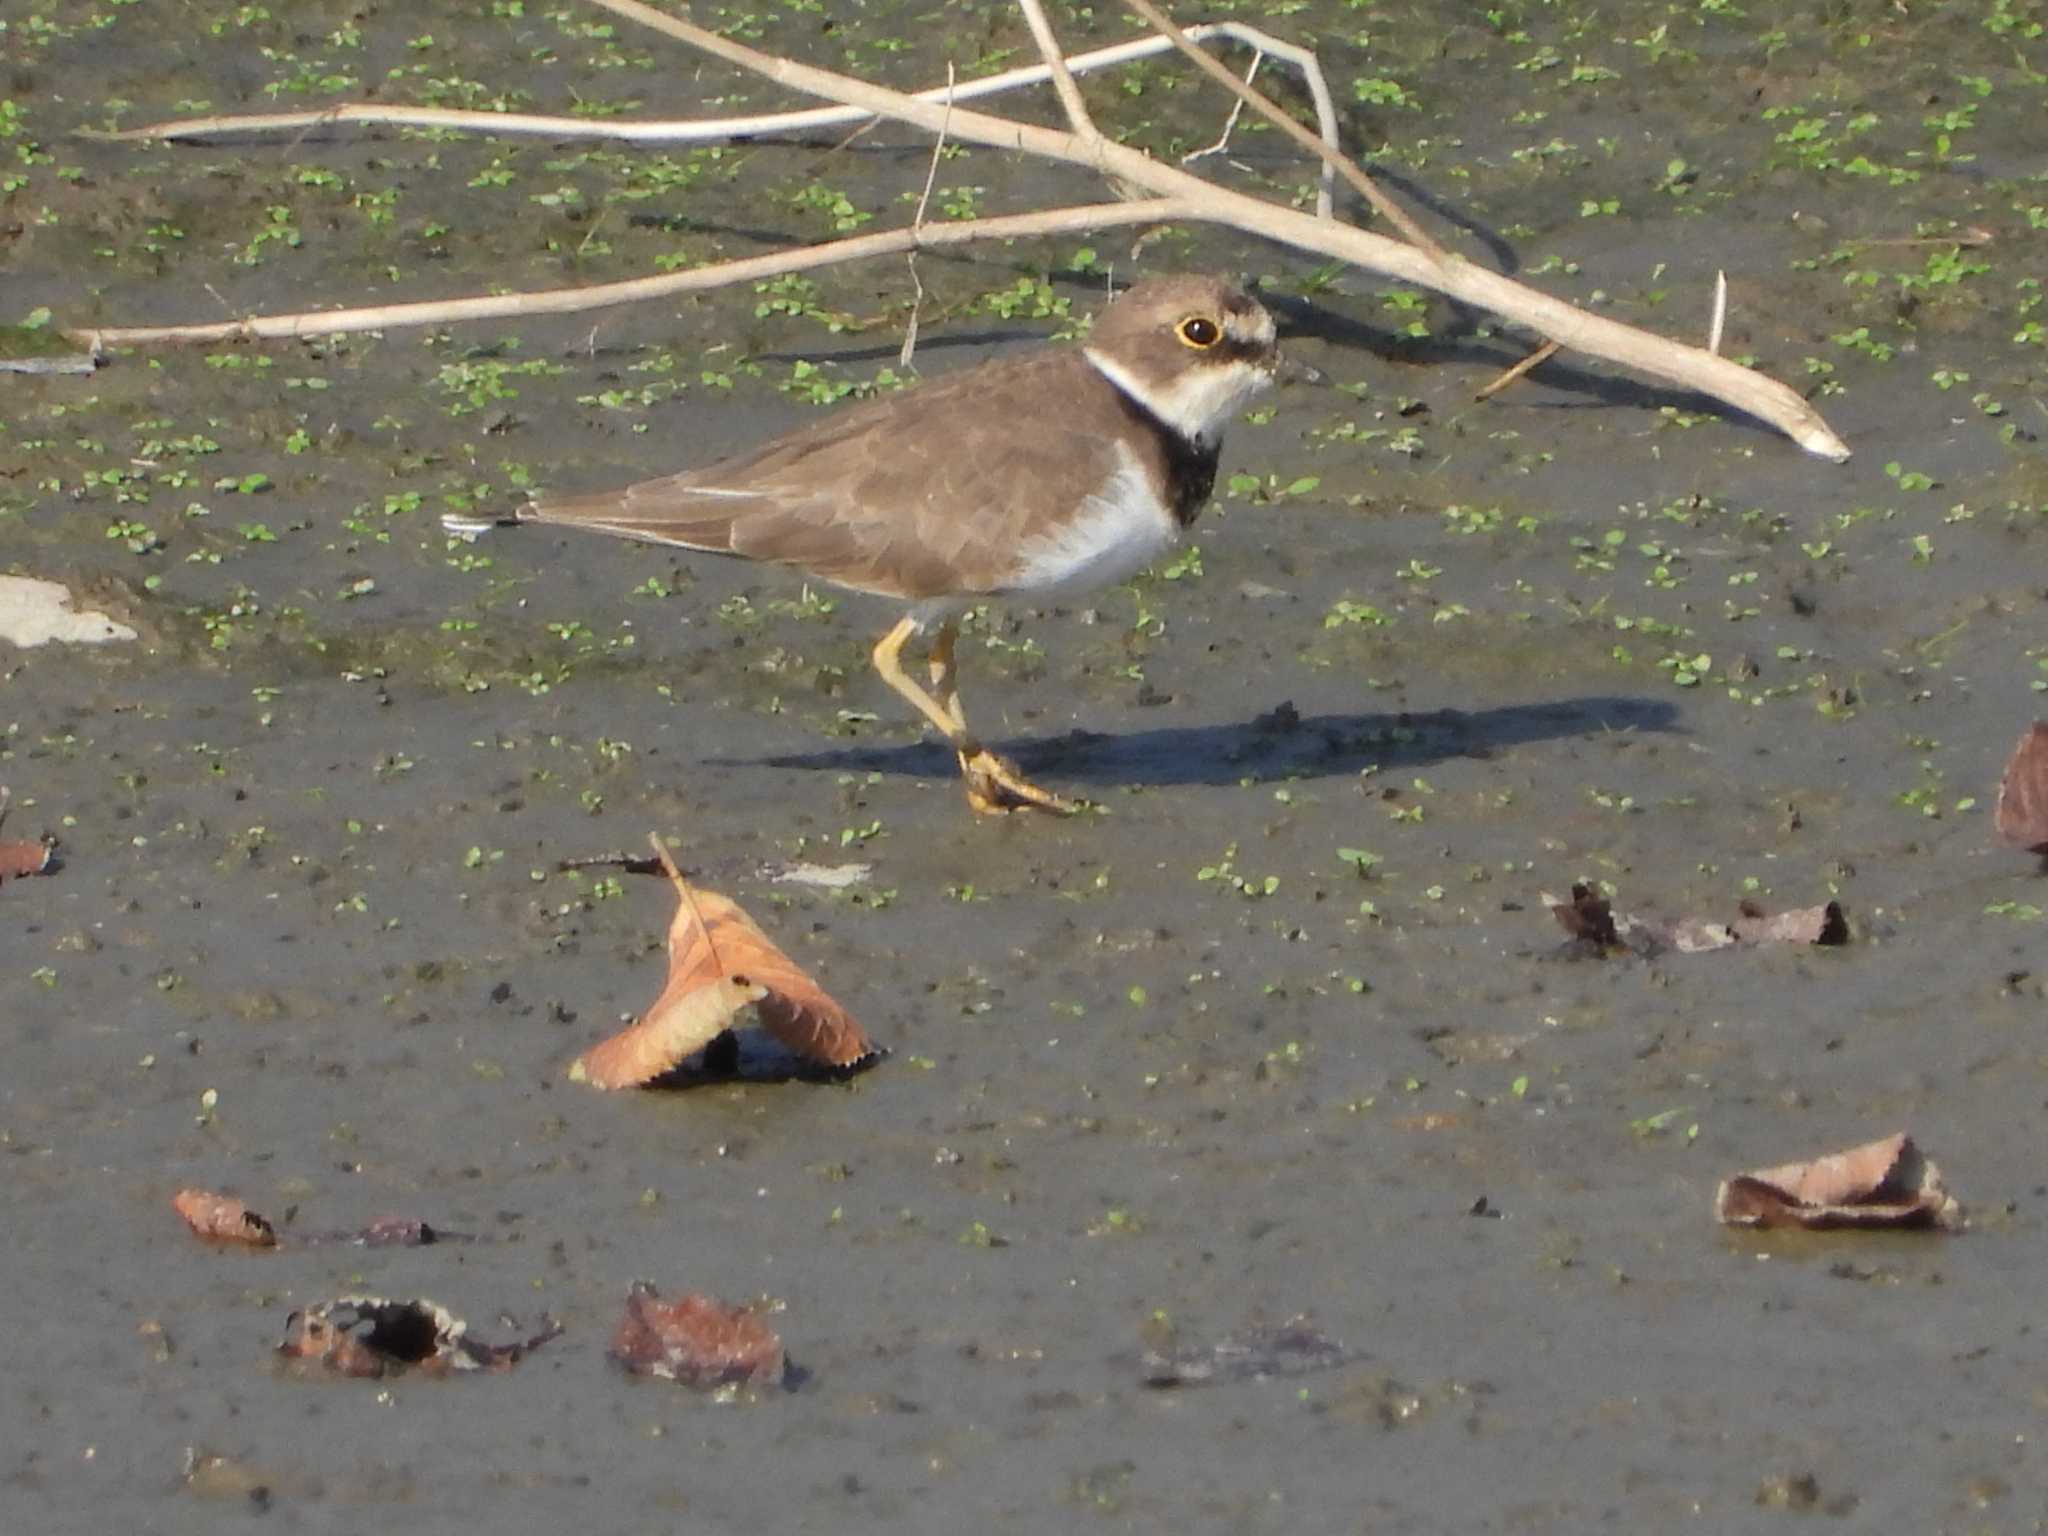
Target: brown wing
(915, 495)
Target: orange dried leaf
(686, 1017)
(719, 961)
(2023, 792)
(1885, 1183)
(19, 858)
(697, 1340)
(223, 1219)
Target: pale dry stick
(924, 199)
(1080, 219)
(1056, 64)
(1720, 314)
(724, 129)
(1536, 359)
(1969, 239)
(1331, 155)
(1230, 123)
(1762, 397)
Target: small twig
(1720, 314)
(1062, 77)
(1085, 217)
(1536, 359)
(1229, 123)
(1359, 182)
(1969, 239)
(924, 198)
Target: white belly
(1116, 533)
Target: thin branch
(1720, 315)
(1536, 359)
(924, 198)
(1178, 196)
(1658, 356)
(568, 301)
(1056, 63)
(725, 129)
(1230, 123)
(1262, 104)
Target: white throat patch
(1197, 404)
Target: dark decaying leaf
(2023, 792)
(1594, 927)
(223, 1219)
(1884, 1183)
(369, 1336)
(719, 961)
(697, 1340)
(1586, 917)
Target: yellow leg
(993, 785)
(945, 683)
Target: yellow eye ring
(1199, 332)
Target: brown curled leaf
(19, 858)
(1885, 1183)
(719, 961)
(223, 1219)
(2023, 793)
(697, 1340)
(369, 1336)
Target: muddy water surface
(1281, 1033)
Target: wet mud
(1276, 1050)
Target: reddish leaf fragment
(19, 858)
(368, 1336)
(1586, 917)
(718, 963)
(1883, 1183)
(697, 1340)
(2023, 792)
(223, 1219)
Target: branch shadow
(1281, 744)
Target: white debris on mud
(34, 612)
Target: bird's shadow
(1279, 744)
